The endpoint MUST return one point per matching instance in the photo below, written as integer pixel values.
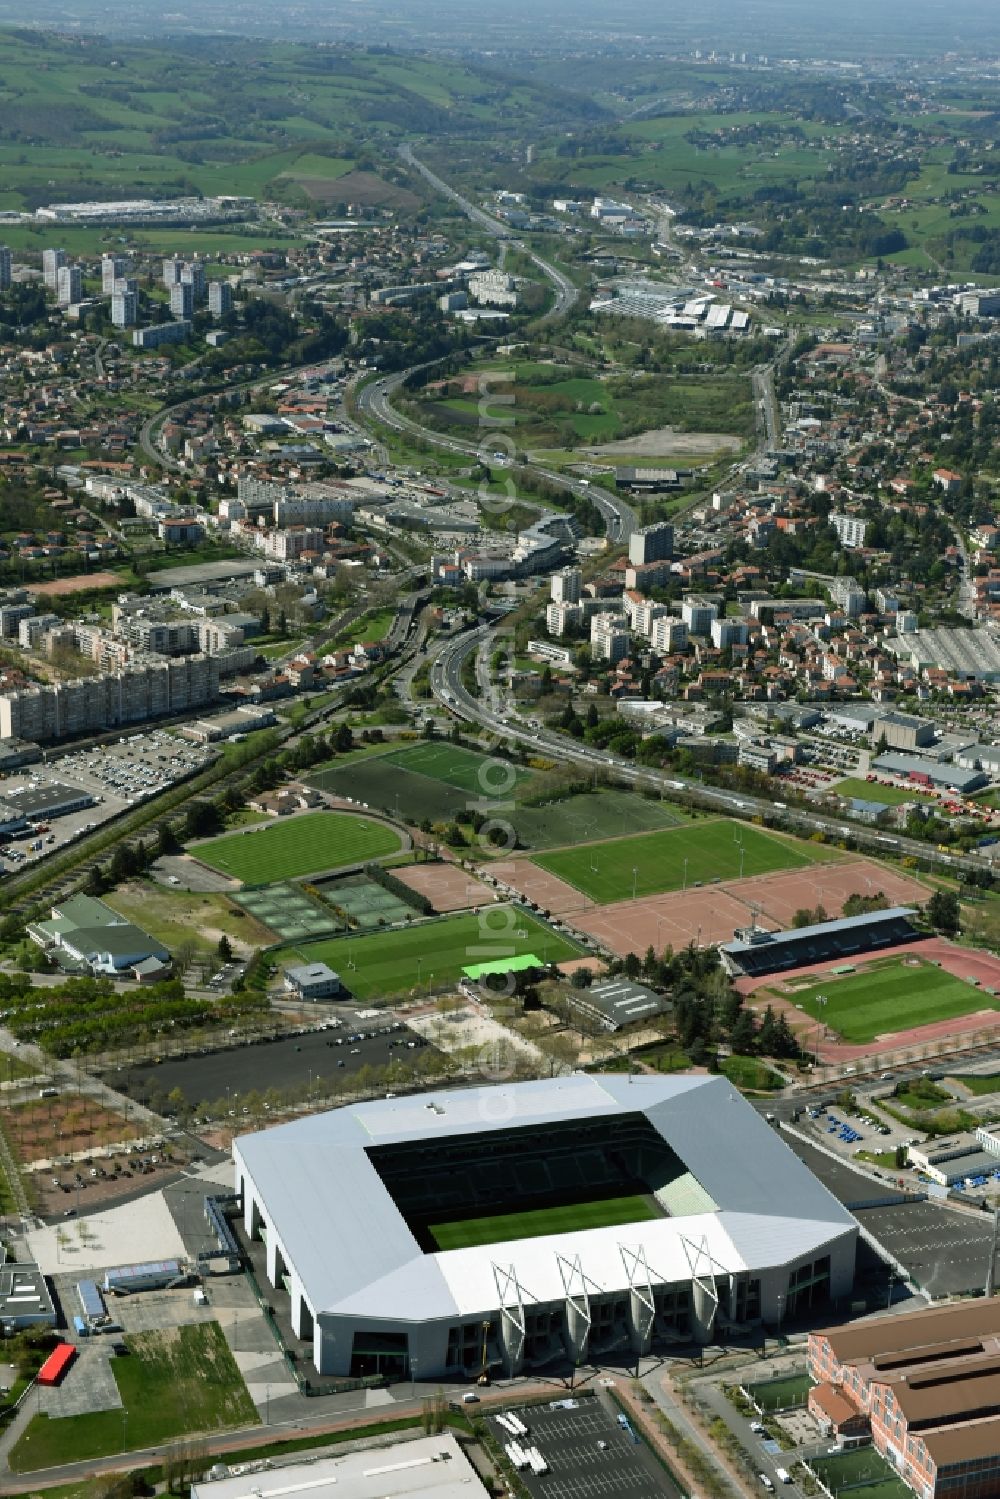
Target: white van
(783, 1475)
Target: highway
(566, 292)
(446, 685)
(374, 404)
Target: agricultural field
(173, 1383)
(434, 953)
(303, 844)
(466, 1233)
(893, 995)
(700, 853)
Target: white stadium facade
(733, 1228)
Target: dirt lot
(76, 584)
(47, 1128)
(669, 441)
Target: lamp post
(635, 877)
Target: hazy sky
(835, 28)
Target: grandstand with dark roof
(753, 953)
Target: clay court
(712, 913)
(447, 887)
(546, 890)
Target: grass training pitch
(696, 854)
(302, 845)
(466, 1233)
(434, 953)
(480, 775)
(892, 996)
(874, 791)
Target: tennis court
(288, 912)
(364, 901)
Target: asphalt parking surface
(271, 1064)
(945, 1251)
(848, 1186)
(578, 1467)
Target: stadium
(507, 1229)
(755, 952)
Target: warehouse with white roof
(710, 1224)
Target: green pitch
(654, 862)
(890, 996)
(466, 1233)
(480, 775)
(300, 845)
(431, 953)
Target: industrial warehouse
(495, 1230)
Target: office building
(125, 309)
(69, 285)
(113, 268)
(698, 614)
(182, 301)
(193, 275)
(52, 263)
(851, 529)
(5, 268)
(610, 638)
(743, 1231)
(652, 544)
(161, 333)
(565, 586)
(924, 1388)
(220, 298)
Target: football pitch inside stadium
(893, 995)
(466, 1233)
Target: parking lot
(945, 1251)
(286, 1063)
(116, 776)
(589, 1454)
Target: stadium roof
(342, 1233)
(770, 940)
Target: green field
(655, 862)
(890, 996)
(874, 791)
(301, 845)
(384, 785)
(980, 1085)
(588, 816)
(480, 775)
(466, 1233)
(781, 1394)
(171, 1383)
(434, 953)
(863, 1472)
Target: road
(374, 405)
(446, 685)
(566, 292)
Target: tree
(944, 912)
(224, 948)
(744, 1033)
